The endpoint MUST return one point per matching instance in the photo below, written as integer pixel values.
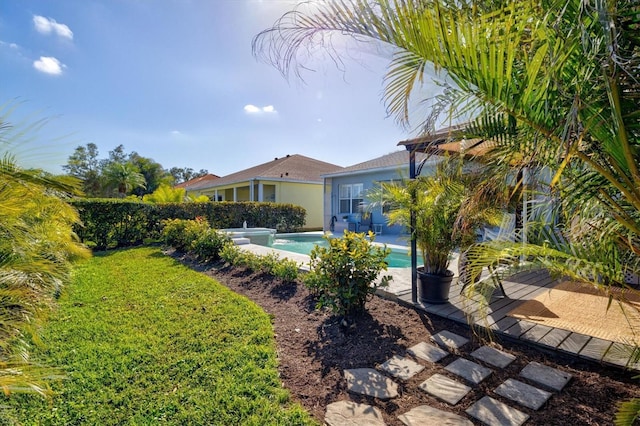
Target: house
(293, 179)
(346, 191)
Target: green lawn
(142, 339)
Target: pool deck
(519, 288)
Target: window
(351, 198)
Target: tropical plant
(166, 194)
(448, 206)
(550, 84)
(37, 249)
(344, 274)
(124, 177)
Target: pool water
(304, 244)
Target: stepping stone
(469, 370)
(428, 352)
(449, 340)
(524, 394)
(401, 368)
(493, 356)
(367, 381)
(350, 413)
(493, 412)
(445, 388)
(546, 376)
(425, 415)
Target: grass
(140, 339)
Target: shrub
(183, 234)
(343, 275)
(285, 269)
(207, 245)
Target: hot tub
(260, 236)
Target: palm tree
(124, 177)
(553, 85)
(37, 248)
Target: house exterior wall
(368, 180)
(307, 195)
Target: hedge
(111, 223)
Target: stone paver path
(428, 352)
(367, 381)
(449, 340)
(486, 409)
(493, 356)
(524, 394)
(469, 370)
(401, 368)
(343, 413)
(493, 412)
(546, 376)
(426, 415)
(445, 388)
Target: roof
(391, 161)
(450, 139)
(294, 168)
(189, 183)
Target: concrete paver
(469, 370)
(367, 381)
(427, 352)
(493, 412)
(401, 367)
(546, 376)
(524, 394)
(493, 356)
(449, 340)
(426, 415)
(445, 388)
(343, 413)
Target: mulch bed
(314, 349)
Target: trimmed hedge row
(110, 223)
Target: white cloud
(47, 26)
(252, 109)
(48, 65)
(10, 45)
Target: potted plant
(448, 210)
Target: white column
(260, 192)
(235, 194)
(251, 194)
(215, 195)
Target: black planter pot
(434, 288)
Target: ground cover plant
(141, 339)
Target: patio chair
(354, 220)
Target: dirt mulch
(314, 350)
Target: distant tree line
(122, 174)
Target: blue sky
(175, 80)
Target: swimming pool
(303, 244)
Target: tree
(84, 165)
(124, 177)
(154, 174)
(183, 174)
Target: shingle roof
(289, 168)
(394, 160)
(188, 184)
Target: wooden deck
(520, 288)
